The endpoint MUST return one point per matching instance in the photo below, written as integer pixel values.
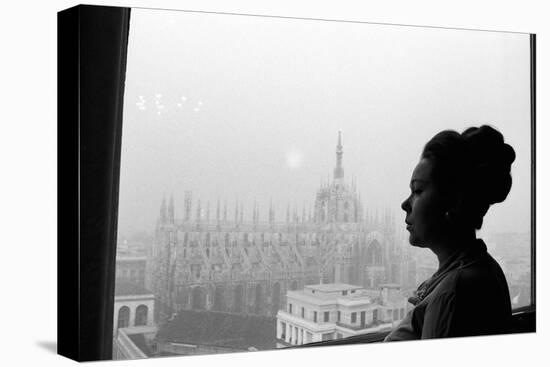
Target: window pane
(265, 161)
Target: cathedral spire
(271, 212)
(187, 203)
(288, 213)
(163, 213)
(199, 211)
(339, 170)
(225, 211)
(254, 217)
(171, 217)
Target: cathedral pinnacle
(171, 216)
(339, 170)
(163, 213)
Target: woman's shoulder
(483, 282)
(470, 275)
(481, 270)
(478, 285)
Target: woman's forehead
(422, 171)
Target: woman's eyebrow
(417, 180)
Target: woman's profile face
(425, 210)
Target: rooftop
(139, 341)
(220, 329)
(332, 287)
(326, 294)
(126, 288)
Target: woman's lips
(409, 227)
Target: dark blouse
(467, 296)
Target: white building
(134, 306)
(133, 325)
(334, 311)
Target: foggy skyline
(227, 113)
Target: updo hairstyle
(472, 168)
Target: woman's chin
(415, 242)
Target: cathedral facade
(247, 266)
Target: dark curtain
(92, 46)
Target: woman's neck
(446, 248)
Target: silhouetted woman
(458, 177)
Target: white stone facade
(335, 311)
(132, 302)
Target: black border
(92, 48)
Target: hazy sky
(250, 108)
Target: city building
(512, 250)
(227, 263)
(131, 260)
(335, 311)
(134, 306)
(134, 328)
(131, 269)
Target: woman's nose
(405, 205)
